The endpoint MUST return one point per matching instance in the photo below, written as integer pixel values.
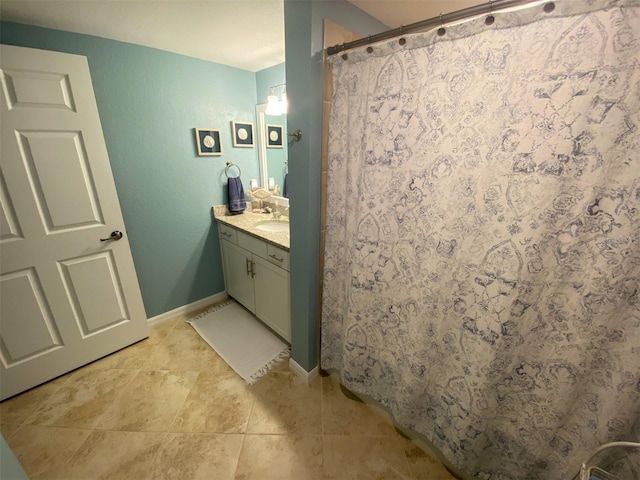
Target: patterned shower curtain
(482, 260)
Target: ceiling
(247, 34)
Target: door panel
(28, 88)
(66, 297)
(9, 225)
(60, 179)
(95, 292)
(23, 298)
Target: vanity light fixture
(284, 105)
(273, 104)
(277, 105)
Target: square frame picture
(274, 136)
(242, 134)
(208, 141)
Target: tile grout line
(176, 320)
(235, 468)
(246, 426)
(179, 409)
(43, 403)
(253, 402)
(244, 434)
(115, 400)
(20, 427)
(155, 460)
(124, 389)
(75, 452)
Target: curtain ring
(344, 55)
(490, 18)
(369, 48)
(441, 30)
(402, 40)
(549, 7)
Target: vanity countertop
(247, 222)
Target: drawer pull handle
(276, 258)
(227, 234)
(250, 267)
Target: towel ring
(229, 165)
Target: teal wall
(149, 102)
(267, 78)
(304, 21)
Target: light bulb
(273, 105)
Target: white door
(66, 297)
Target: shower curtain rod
(440, 20)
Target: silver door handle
(115, 235)
(276, 258)
(226, 234)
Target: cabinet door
(272, 297)
(239, 282)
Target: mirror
(273, 159)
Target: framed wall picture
(274, 136)
(208, 141)
(242, 134)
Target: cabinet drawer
(278, 256)
(228, 233)
(259, 247)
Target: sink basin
(273, 226)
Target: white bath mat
(240, 339)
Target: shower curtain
(482, 259)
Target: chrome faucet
(276, 211)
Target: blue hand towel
(285, 186)
(237, 202)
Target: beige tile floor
(170, 407)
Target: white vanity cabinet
(256, 274)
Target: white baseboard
(301, 372)
(186, 309)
